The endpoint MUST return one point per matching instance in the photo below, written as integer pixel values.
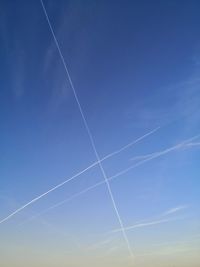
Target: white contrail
(194, 144)
(146, 224)
(130, 144)
(156, 155)
(76, 175)
(143, 157)
(88, 130)
(65, 201)
(175, 210)
(160, 219)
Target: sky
(135, 67)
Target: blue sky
(135, 66)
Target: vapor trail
(65, 201)
(130, 144)
(77, 175)
(174, 210)
(140, 225)
(88, 131)
(98, 162)
(155, 155)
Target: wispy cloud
(169, 250)
(184, 98)
(100, 244)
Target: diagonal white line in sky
(89, 132)
(86, 190)
(75, 176)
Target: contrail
(186, 144)
(90, 137)
(174, 210)
(143, 157)
(88, 130)
(155, 155)
(65, 201)
(77, 175)
(130, 144)
(194, 144)
(158, 221)
(140, 225)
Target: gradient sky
(135, 66)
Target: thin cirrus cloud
(185, 105)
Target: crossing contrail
(160, 220)
(146, 224)
(78, 174)
(91, 138)
(147, 158)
